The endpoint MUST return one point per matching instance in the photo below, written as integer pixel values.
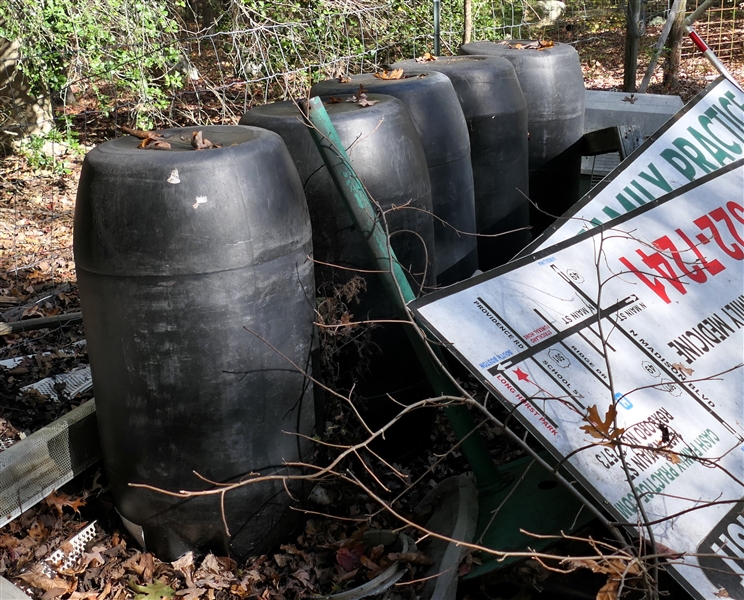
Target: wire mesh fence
(243, 56)
(211, 69)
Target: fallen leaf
(154, 144)
(376, 552)
(416, 558)
(38, 580)
(199, 142)
(602, 429)
(190, 593)
(143, 135)
(37, 531)
(536, 45)
(348, 558)
(394, 74)
(184, 563)
(53, 593)
(686, 370)
(57, 501)
(333, 100)
(427, 57)
(722, 593)
(363, 102)
(609, 590)
(152, 591)
(347, 576)
(369, 564)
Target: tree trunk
(468, 21)
(24, 112)
(632, 39)
(674, 49)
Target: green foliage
(39, 150)
(157, 590)
(109, 46)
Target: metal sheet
(646, 316)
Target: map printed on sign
(629, 339)
(702, 138)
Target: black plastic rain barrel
(553, 86)
(386, 153)
(496, 115)
(439, 121)
(179, 253)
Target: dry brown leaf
(416, 558)
(143, 135)
(376, 552)
(85, 595)
(141, 563)
(184, 563)
(38, 532)
(686, 370)
(190, 593)
(426, 57)
(199, 142)
(333, 100)
(722, 593)
(40, 581)
(344, 79)
(394, 74)
(58, 500)
(609, 590)
(347, 576)
(9, 541)
(363, 102)
(154, 144)
(536, 45)
(599, 428)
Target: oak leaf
(427, 57)
(157, 590)
(36, 578)
(609, 590)
(394, 74)
(599, 428)
(57, 501)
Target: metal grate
(34, 467)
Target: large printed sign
(702, 138)
(621, 349)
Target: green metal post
(536, 507)
(399, 290)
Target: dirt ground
(37, 278)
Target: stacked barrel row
(199, 273)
